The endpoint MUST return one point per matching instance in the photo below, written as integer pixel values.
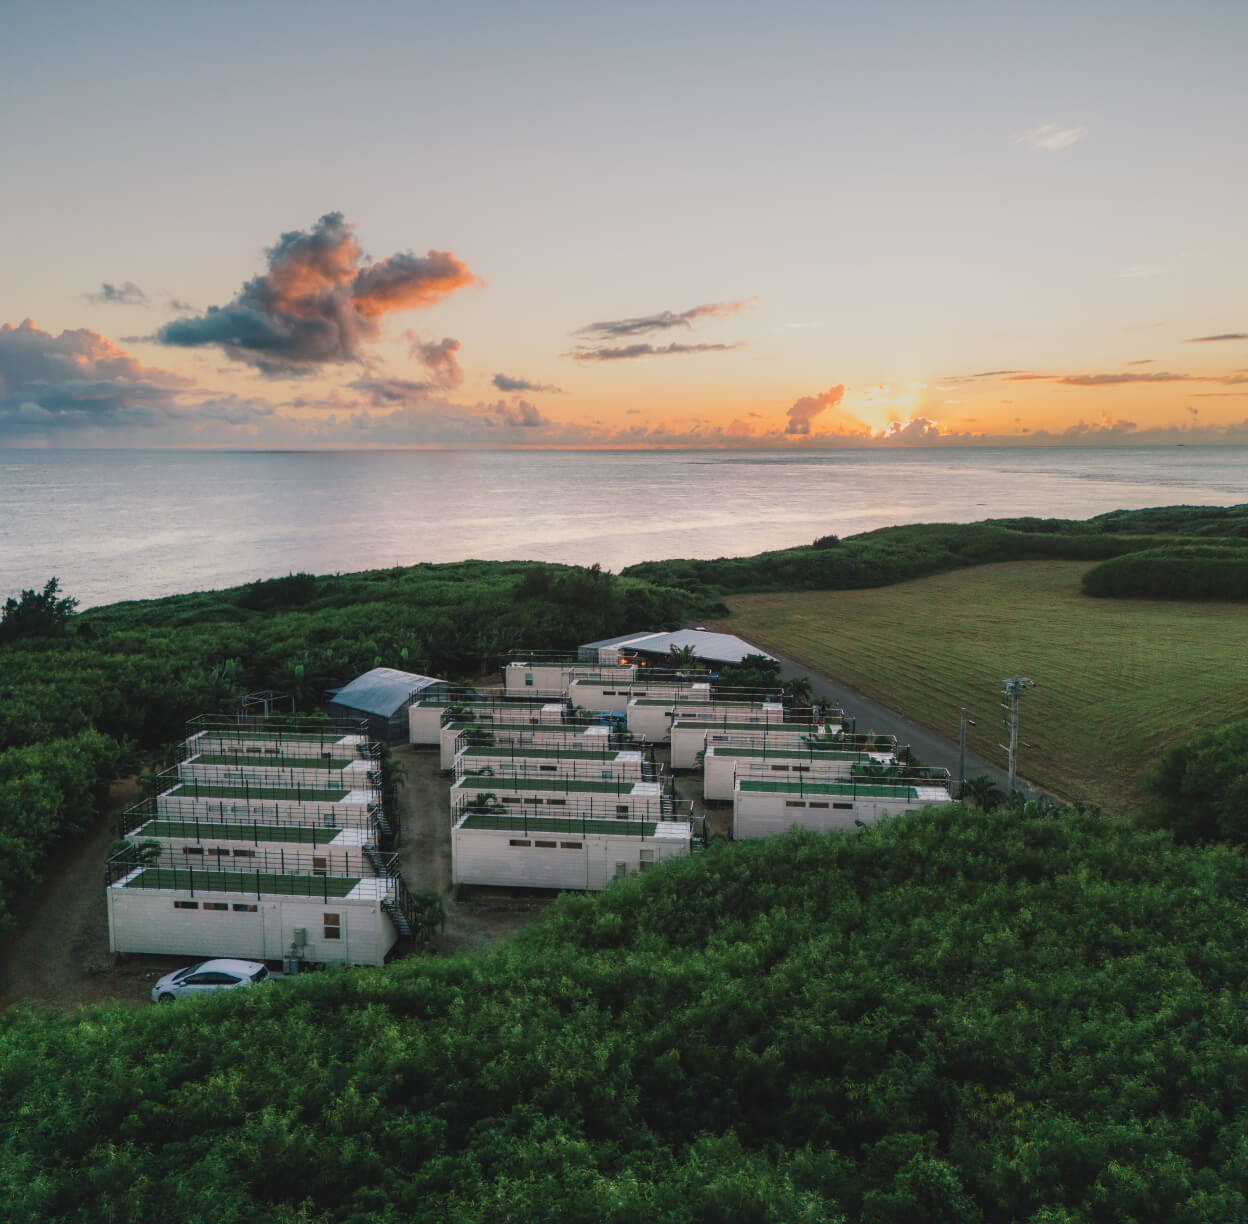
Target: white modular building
(338, 809)
(538, 677)
(218, 737)
(426, 719)
(611, 799)
(691, 737)
(611, 764)
(455, 736)
(171, 908)
(609, 697)
(651, 718)
(723, 764)
(763, 808)
(541, 849)
(239, 769)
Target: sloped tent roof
(713, 647)
(383, 691)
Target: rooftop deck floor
(309, 835)
(561, 825)
(258, 760)
(261, 794)
(250, 882)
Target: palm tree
(983, 792)
(681, 658)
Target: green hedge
(1176, 571)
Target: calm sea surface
(134, 524)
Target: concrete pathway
(930, 748)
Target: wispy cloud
(615, 329)
(504, 382)
(128, 294)
(1138, 271)
(1049, 138)
(1218, 339)
(318, 302)
(631, 351)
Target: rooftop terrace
(567, 826)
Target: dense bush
(43, 613)
(1200, 787)
(1175, 571)
(897, 554)
(953, 1016)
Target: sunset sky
(306, 225)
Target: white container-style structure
(337, 808)
(609, 799)
(426, 719)
(541, 849)
(455, 736)
(256, 911)
(612, 697)
(217, 737)
(691, 737)
(542, 677)
(723, 764)
(236, 769)
(763, 808)
(611, 764)
(651, 718)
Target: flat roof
(246, 882)
(567, 826)
(270, 762)
(564, 754)
(805, 752)
(860, 790)
(242, 736)
(203, 830)
(767, 728)
(261, 794)
(707, 645)
(568, 785)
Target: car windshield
(183, 973)
(260, 974)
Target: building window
(621, 807)
(569, 845)
(245, 909)
(528, 678)
(186, 905)
(193, 850)
(621, 869)
(244, 854)
(220, 850)
(320, 866)
(548, 768)
(557, 802)
(520, 841)
(546, 845)
(844, 807)
(223, 906)
(794, 803)
(333, 926)
(781, 768)
(512, 799)
(818, 805)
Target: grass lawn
(1117, 680)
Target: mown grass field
(1117, 680)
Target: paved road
(930, 748)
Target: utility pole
(1013, 694)
(964, 722)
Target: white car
(206, 976)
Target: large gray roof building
(707, 646)
(382, 697)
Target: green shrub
(1175, 571)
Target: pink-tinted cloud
(439, 358)
(804, 410)
(1217, 339)
(318, 302)
(504, 382)
(520, 412)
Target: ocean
(116, 524)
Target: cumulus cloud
(318, 302)
(1216, 339)
(438, 357)
(630, 351)
(615, 329)
(128, 294)
(1049, 138)
(504, 382)
(522, 413)
(78, 378)
(383, 391)
(804, 410)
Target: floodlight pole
(963, 723)
(1013, 694)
